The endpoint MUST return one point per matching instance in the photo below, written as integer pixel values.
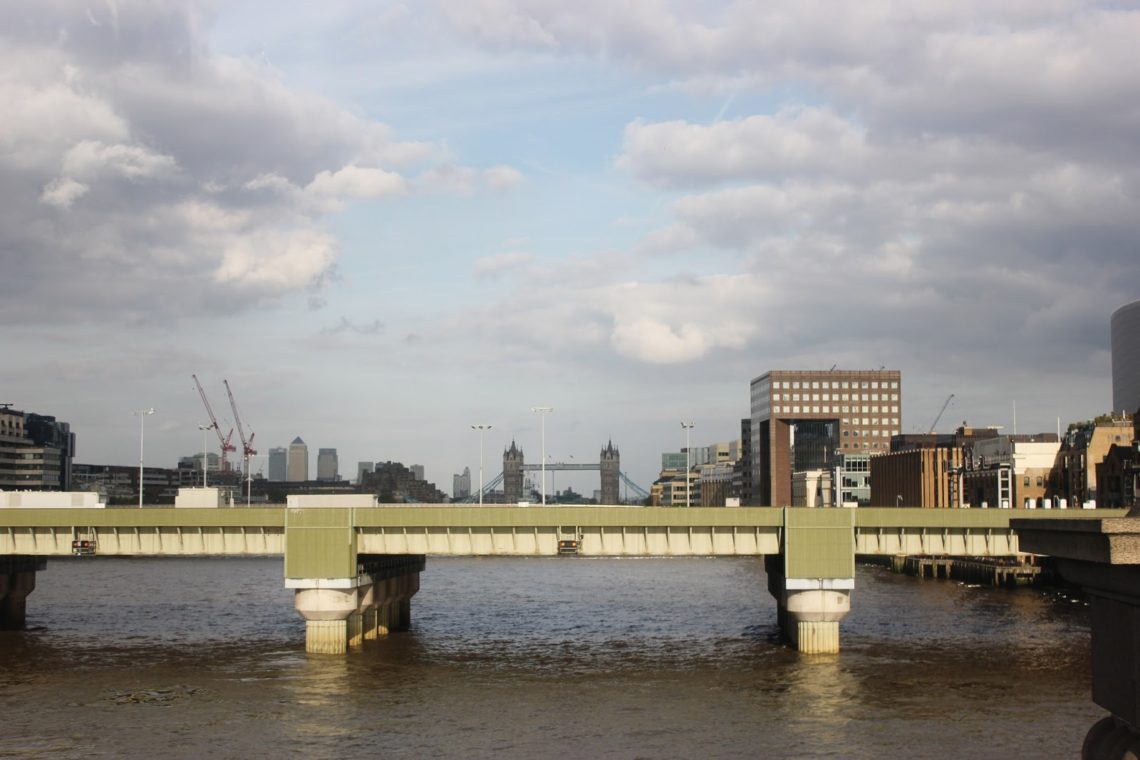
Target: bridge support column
(812, 579)
(17, 580)
(809, 609)
(326, 612)
(1102, 557)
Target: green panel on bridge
(320, 543)
(819, 543)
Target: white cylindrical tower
(1125, 329)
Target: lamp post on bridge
(480, 428)
(687, 426)
(142, 415)
(542, 411)
(205, 452)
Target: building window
(1025, 482)
(1040, 481)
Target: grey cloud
(375, 327)
(127, 151)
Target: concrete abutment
(17, 581)
(341, 613)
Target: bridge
(354, 566)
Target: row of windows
(837, 397)
(845, 410)
(869, 433)
(863, 445)
(837, 384)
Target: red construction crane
(246, 443)
(224, 441)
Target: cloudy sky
(385, 222)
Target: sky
(386, 222)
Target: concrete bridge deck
(519, 531)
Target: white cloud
(275, 261)
(502, 177)
(62, 192)
(357, 182)
(489, 267)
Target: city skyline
(384, 224)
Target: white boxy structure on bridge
(50, 500)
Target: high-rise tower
(298, 464)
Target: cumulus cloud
(934, 169)
(203, 177)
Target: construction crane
(941, 411)
(246, 443)
(223, 440)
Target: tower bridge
(513, 482)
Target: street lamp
(542, 411)
(480, 428)
(898, 500)
(142, 415)
(205, 452)
(249, 477)
(687, 426)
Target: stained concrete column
(813, 576)
(1102, 556)
(808, 609)
(17, 580)
(326, 612)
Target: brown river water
(524, 658)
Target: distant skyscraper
(418, 471)
(327, 468)
(298, 467)
(461, 484)
(361, 469)
(1125, 331)
(278, 464)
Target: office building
(362, 469)
(278, 464)
(1084, 447)
(804, 419)
(461, 484)
(1011, 471)
(36, 452)
(327, 467)
(297, 466)
(1125, 336)
(418, 471)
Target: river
(523, 658)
